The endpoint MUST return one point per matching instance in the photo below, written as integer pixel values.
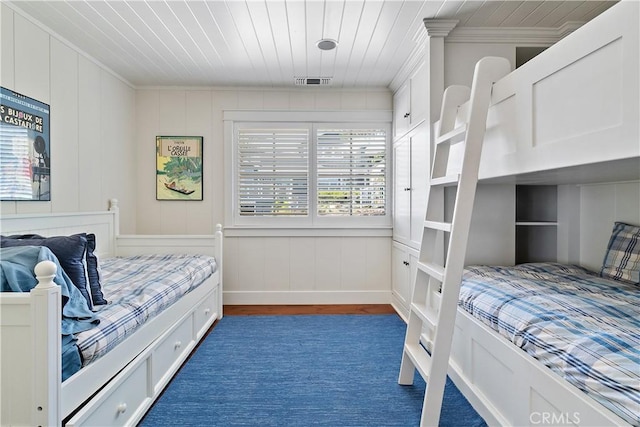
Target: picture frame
(179, 168)
(25, 159)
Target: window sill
(254, 231)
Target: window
(351, 172)
(273, 171)
(310, 174)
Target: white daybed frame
(118, 388)
(569, 115)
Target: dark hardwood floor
(231, 310)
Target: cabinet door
(419, 95)
(402, 190)
(401, 110)
(403, 273)
(400, 268)
(420, 167)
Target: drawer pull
(122, 408)
(177, 345)
(207, 311)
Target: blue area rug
(328, 370)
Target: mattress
(583, 327)
(138, 288)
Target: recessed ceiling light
(326, 44)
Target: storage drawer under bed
(170, 350)
(203, 314)
(122, 402)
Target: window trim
(363, 119)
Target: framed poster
(178, 168)
(25, 151)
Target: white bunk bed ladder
(437, 283)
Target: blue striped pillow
(622, 260)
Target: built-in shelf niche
(536, 223)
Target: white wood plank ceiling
(270, 42)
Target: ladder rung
(420, 358)
(454, 136)
(445, 180)
(434, 270)
(438, 225)
(427, 315)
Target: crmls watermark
(554, 418)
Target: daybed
(568, 116)
(118, 381)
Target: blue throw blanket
(16, 275)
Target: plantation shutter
(273, 171)
(351, 172)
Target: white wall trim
(288, 89)
(265, 231)
(305, 297)
(364, 116)
(512, 35)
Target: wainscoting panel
(307, 270)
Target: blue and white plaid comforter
(583, 327)
(138, 288)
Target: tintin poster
(179, 168)
(25, 151)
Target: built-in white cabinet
(410, 101)
(403, 271)
(411, 166)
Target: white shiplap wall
(92, 118)
(600, 206)
(272, 269)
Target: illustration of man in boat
(172, 186)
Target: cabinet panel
(420, 167)
(401, 110)
(410, 101)
(411, 178)
(403, 271)
(402, 190)
(400, 274)
(419, 94)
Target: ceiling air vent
(313, 81)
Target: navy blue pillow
(70, 251)
(97, 297)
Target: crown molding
(431, 28)
(439, 27)
(512, 35)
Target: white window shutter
(351, 172)
(273, 172)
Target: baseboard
(305, 297)
(400, 308)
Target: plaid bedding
(138, 288)
(583, 327)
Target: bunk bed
(119, 376)
(568, 116)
